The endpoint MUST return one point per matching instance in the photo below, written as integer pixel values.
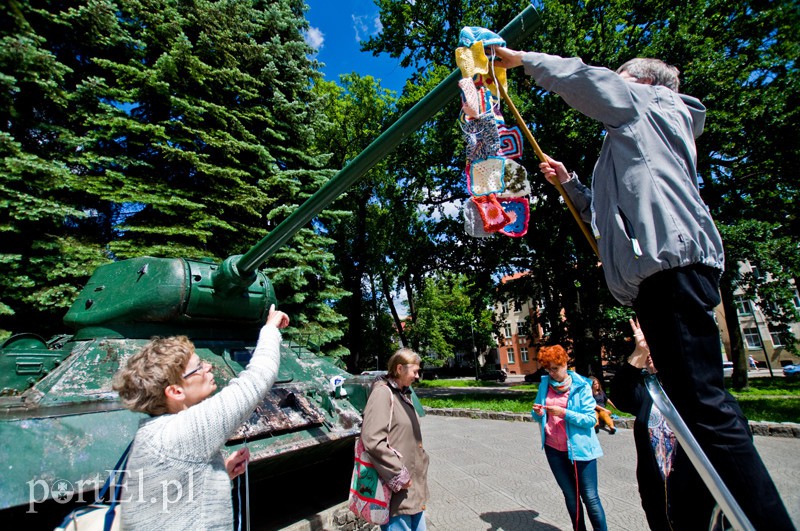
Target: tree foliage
(446, 322)
(157, 127)
(739, 58)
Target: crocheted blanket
(498, 185)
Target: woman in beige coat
(395, 445)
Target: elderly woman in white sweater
(177, 476)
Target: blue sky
(337, 29)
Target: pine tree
(191, 126)
(47, 239)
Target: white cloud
(376, 22)
(315, 38)
(359, 27)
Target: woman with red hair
(565, 408)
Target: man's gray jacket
(644, 205)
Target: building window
(504, 307)
(743, 306)
(523, 353)
(796, 300)
(522, 328)
(751, 338)
(775, 336)
(507, 329)
(511, 356)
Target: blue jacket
(582, 443)
(644, 205)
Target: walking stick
(543, 158)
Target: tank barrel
(514, 33)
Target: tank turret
(61, 424)
(146, 296)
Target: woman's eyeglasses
(200, 366)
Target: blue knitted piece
(471, 34)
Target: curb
(765, 429)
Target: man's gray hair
(655, 71)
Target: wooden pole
(543, 158)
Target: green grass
(457, 383)
(522, 404)
(771, 409)
(768, 387)
(769, 400)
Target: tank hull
(76, 426)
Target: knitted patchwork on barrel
(515, 179)
(491, 212)
(510, 141)
(486, 176)
(473, 223)
(518, 211)
(481, 138)
(495, 182)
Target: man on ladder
(660, 250)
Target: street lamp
(474, 352)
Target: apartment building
(761, 338)
(520, 334)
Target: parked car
(535, 376)
(727, 368)
(791, 371)
(500, 375)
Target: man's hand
(553, 169)
(237, 462)
(507, 58)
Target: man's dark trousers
(676, 312)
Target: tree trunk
(389, 302)
(738, 357)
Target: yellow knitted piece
(487, 81)
(472, 60)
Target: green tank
(61, 424)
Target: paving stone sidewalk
(493, 475)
